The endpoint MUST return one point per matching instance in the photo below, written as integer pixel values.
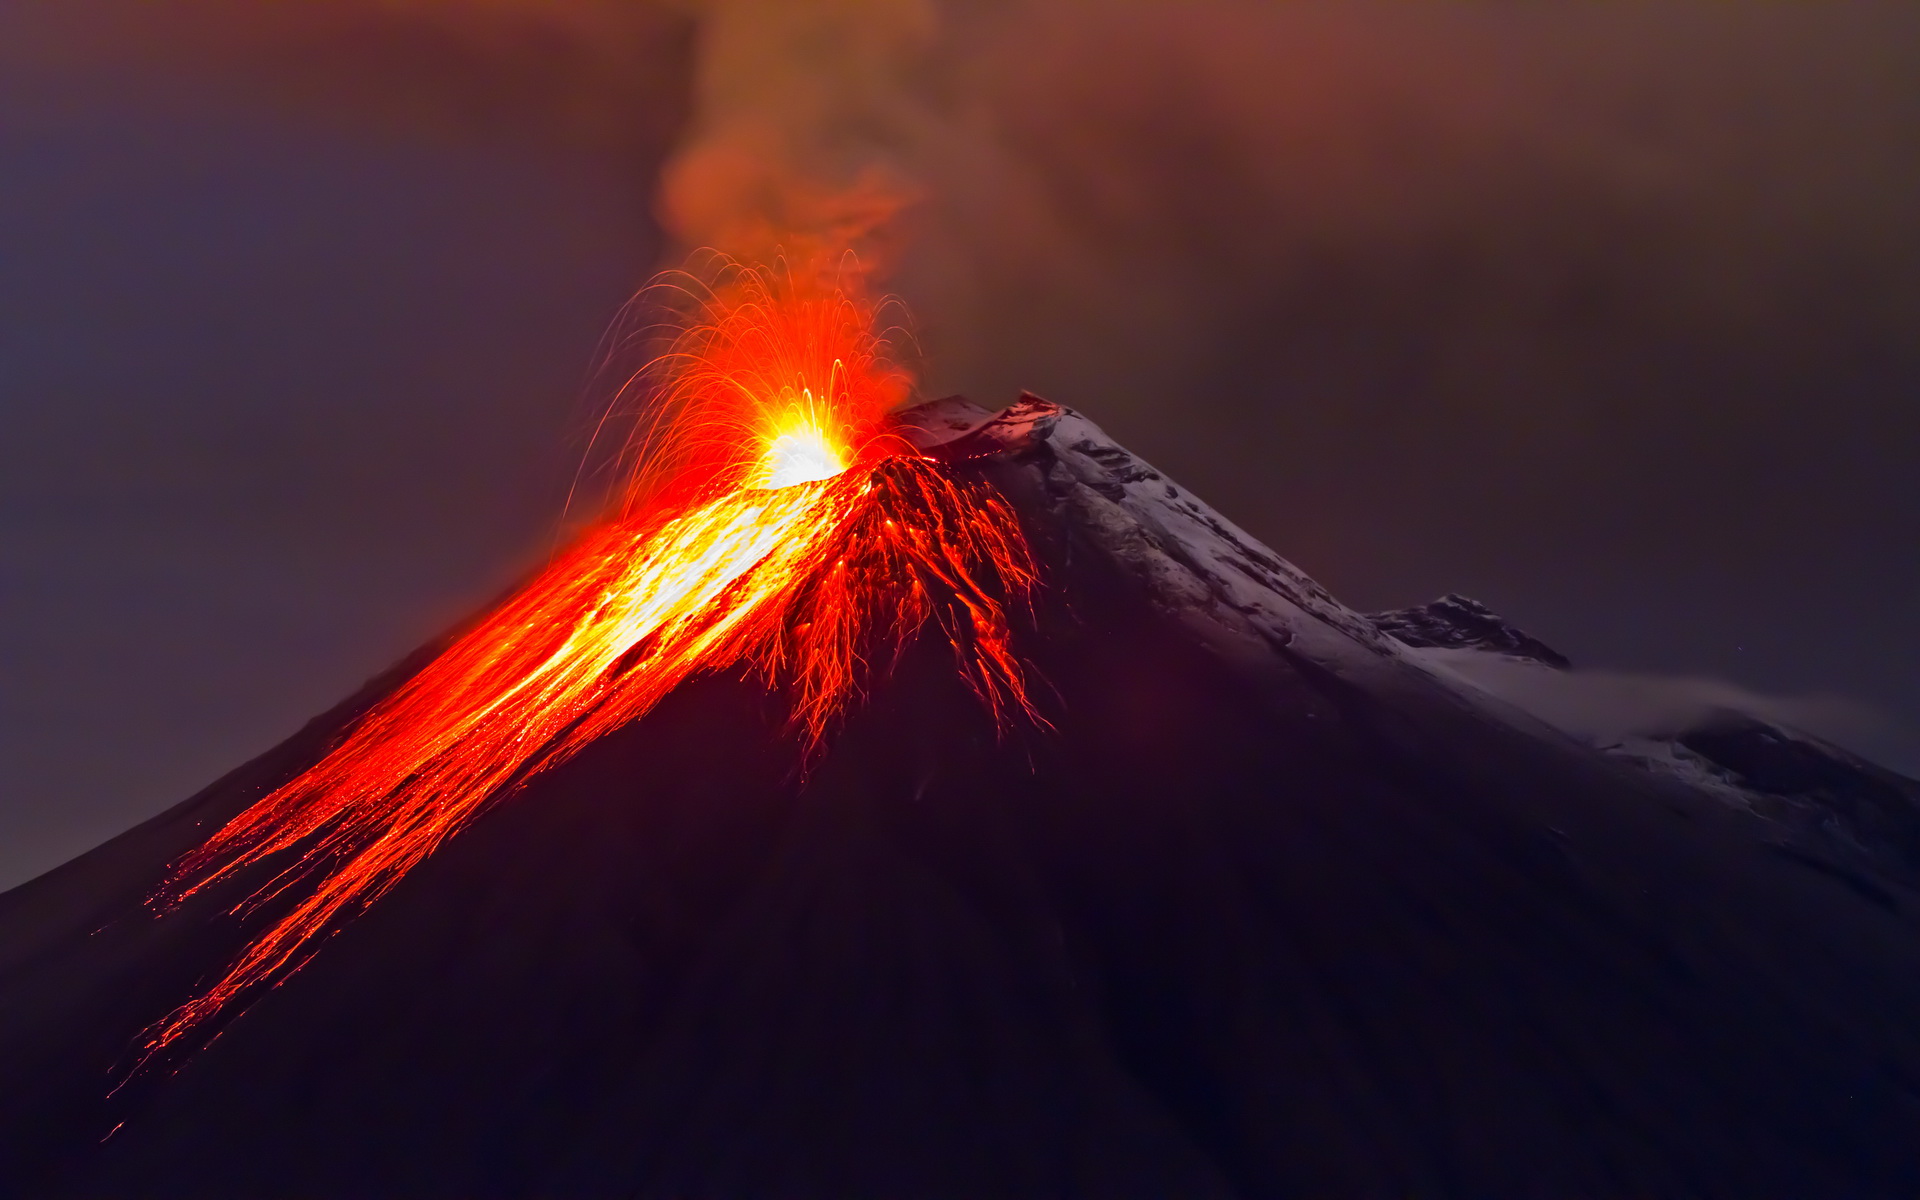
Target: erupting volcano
(774, 520)
(930, 802)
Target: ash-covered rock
(1456, 622)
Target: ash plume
(1164, 164)
(1273, 901)
(805, 116)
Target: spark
(774, 522)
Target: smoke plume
(805, 117)
(1601, 313)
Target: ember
(773, 521)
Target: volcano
(1257, 902)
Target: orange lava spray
(773, 522)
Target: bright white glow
(800, 455)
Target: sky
(1601, 315)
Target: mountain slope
(1270, 908)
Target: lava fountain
(772, 521)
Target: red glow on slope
(776, 524)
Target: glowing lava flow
(778, 526)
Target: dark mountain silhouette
(1270, 910)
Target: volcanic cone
(1254, 903)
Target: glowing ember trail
(774, 523)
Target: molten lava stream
(791, 536)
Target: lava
(773, 523)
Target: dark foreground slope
(1271, 910)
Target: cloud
(1606, 707)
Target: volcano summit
(1245, 898)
